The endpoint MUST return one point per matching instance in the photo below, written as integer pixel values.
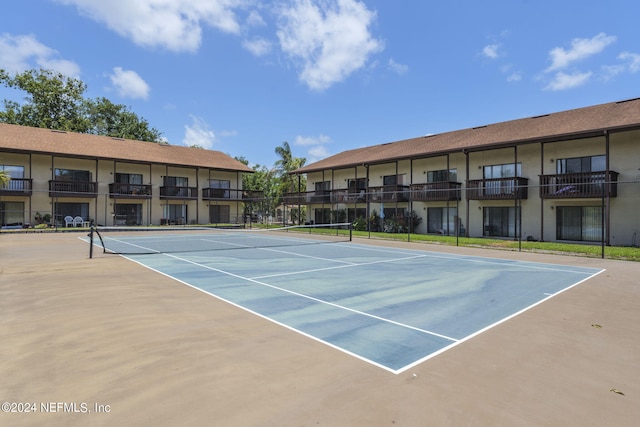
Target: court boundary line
(427, 254)
(499, 322)
(338, 306)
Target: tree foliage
(55, 101)
(287, 163)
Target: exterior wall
(537, 214)
(625, 219)
(103, 207)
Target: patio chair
(78, 221)
(68, 221)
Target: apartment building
(59, 176)
(567, 176)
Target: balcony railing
(389, 193)
(436, 192)
(497, 188)
(179, 193)
(129, 191)
(307, 197)
(349, 196)
(578, 185)
(17, 187)
(73, 189)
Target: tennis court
(393, 308)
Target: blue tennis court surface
(391, 307)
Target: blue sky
(242, 76)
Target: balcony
(178, 193)
(129, 191)
(307, 197)
(17, 187)
(436, 192)
(229, 194)
(349, 196)
(59, 188)
(498, 189)
(578, 185)
(389, 193)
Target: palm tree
(4, 178)
(282, 168)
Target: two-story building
(59, 176)
(567, 176)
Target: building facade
(568, 176)
(60, 177)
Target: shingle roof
(36, 140)
(589, 120)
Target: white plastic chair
(78, 221)
(68, 221)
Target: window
(494, 185)
(357, 185)
(322, 187)
(450, 175)
(322, 194)
(129, 178)
(11, 213)
(500, 221)
(176, 186)
(442, 220)
(72, 175)
(176, 181)
(63, 210)
(502, 171)
(220, 189)
(16, 173)
(581, 165)
(322, 216)
(175, 214)
(219, 214)
(392, 180)
(127, 214)
(580, 223)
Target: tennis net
(155, 240)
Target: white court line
(468, 337)
(362, 313)
(292, 273)
(482, 260)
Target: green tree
(109, 119)
(288, 183)
(55, 101)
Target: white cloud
(129, 84)
(514, 77)
(398, 68)
(255, 19)
(312, 140)
(316, 146)
(23, 52)
(633, 59)
(491, 51)
(329, 40)
(580, 49)
(563, 81)
(171, 24)
(258, 47)
(317, 153)
(199, 133)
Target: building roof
(572, 124)
(24, 139)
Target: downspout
(608, 188)
(541, 191)
(466, 154)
